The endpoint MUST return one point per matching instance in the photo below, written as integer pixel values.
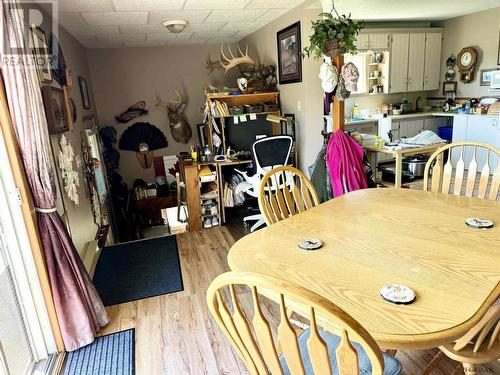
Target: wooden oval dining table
(376, 237)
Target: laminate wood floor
(176, 335)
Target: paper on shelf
(243, 118)
(235, 119)
(253, 116)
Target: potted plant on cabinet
(333, 35)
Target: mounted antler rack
(235, 61)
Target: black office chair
(267, 153)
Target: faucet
(417, 102)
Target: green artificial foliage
(342, 28)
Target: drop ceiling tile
(272, 14)
(245, 15)
(201, 27)
(242, 26)
(179, 42)
(92, 30)
(139, 5)
(140, 29)
(85, 5)
(89, 41)
(218, 34)
(115, 18)
(71, 19)
(262, 4)
(121, 38)
(145, 43)
(167, 36)
(194, 16)
(218, 4)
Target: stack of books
(219, 109)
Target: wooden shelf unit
(233, 100)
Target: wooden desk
(151, 207)
(375, 237)
(398, 155)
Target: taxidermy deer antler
(160, 102)
(234, 61)
(211, 65)
(179, 125)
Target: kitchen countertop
(416, 115)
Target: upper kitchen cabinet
(398, 66)
(373, 41)
(432, 61)
(415, 61)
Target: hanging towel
(344, 158)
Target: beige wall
(480, 30)
(123, 76)
(81, 221)
(262, 45)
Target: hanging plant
(333, 35)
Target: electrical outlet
(299, 105)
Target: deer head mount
(179, 125)
(234, 61)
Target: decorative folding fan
(143, 138)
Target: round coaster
(474, 222)
(310, 244)
(398, 294)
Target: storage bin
(445, 132)
(254, 108)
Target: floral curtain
(79, 309)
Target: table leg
(399, 170)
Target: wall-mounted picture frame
(289, 54)
(449, 88)
(41, 54)
(84, 92)
(498, 54)
(55, 109)
(485, 76)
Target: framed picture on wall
(55, 109)
(289, 57)
(41, 54)
(84, 92)
(449, 88)
(485, 76)
(498, 54)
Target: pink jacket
(344, 158)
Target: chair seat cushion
(391, 364)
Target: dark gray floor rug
(138, 269)
(112, 354)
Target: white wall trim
(23, 266)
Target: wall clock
(466, 61)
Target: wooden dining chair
(352, 351)
(481, 345)
(284, 192)
(480, 163)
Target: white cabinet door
(379, 41)
(416, 59)
(432, 61)
(485, 130)
(459, 128)
(362, 41)
(399, 63)
(434, 123)
(410, 128)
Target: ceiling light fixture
(175, 26)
